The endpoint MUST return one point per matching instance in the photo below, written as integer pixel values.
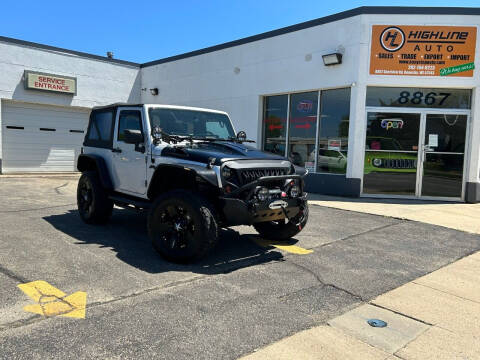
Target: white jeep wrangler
(193, 174)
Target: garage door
(38, 138)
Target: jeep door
(129, 160)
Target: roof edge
(363, 10)
(67, 51)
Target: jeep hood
(221, 151)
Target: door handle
(116, 150)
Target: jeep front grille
(249, 175)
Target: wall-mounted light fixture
(153, 91)
(332, 59)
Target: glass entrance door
(391, 153)
(443, 155)
(415, 154)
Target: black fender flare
(95, 162)
(205, 173)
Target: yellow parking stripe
(293, 249)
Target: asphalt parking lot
(242, 297)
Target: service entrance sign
(50, 82)
(423, 50)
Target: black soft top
(114, 105)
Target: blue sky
(148, 30)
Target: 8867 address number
(419, 97)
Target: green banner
(456, 69)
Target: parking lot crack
(37, 318)
(35, 209)
(57, 189)
(22, 322)
(367, 232)
(323, 283)
(12, 275)
(401, 314)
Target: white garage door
(38, 138)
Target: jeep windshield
(192, 123)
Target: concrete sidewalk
(458, 216)
(436, 316)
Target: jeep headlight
(262, 193)
(226, 172)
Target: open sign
(392, 124)
(305, 106)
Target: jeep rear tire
(182, 226)
(282, 230)
(94, 206)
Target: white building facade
(396, 115)
(43, 130)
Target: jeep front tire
(182, 226)
(94, 206)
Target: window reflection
(442, 175)
(449, 131)
(303, 127)
(333, 134)
(331, 155)
(391, 147)
(274, 124)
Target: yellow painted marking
(41, 290)
(294, 249)
(54, 302)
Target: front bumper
(247, 210)
(239, 212)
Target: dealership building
(374, 101)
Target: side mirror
(133, 136)
(157, 132)
(241, 136)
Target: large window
(333, 132)
(328, 153)
(302, 128)
(274, 123)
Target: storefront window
(303, 127)
(274, 124)
(391, 153)
(419, 97)
(333, 132)
(331, 155)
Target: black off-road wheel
(285, 229)
(94, 206)
(182, 226)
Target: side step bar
(130, 203)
